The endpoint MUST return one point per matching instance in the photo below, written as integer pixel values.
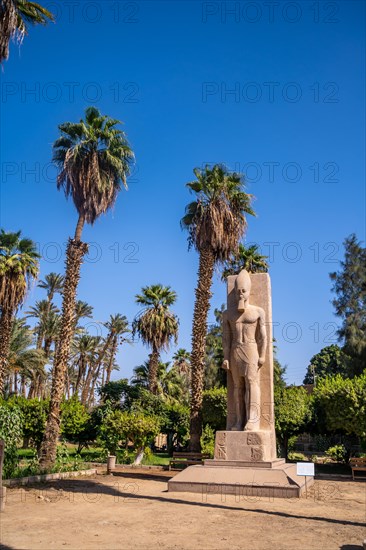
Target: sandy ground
(133, 510)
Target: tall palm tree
(215, 222)
(248, 258)
(15, 18)
(156, 325)
(94, 159)
(117, 327)
(18, 267)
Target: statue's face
(242, 292)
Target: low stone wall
(47, 477)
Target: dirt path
(133, 510)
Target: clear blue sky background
(295, 125)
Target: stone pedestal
(245, 446)
(265, 479)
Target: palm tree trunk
(153, 371)
(22, 385)
(81, 369)
(6, 324)
(79, 229)
(111, 359)
(74, 257)
(92, 389)
(86, 388)
(199, 332)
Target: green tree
(328, 362)
(18, 268)
(120, 427)
(215, 222)
(214, 408)
(34, 414)
(341, 404)
(246, 258)
(16, 16)
(156, 325)
(93, 158)
(74, 418)
(279, 371)
(119, 393)
(350, 303)
(293, 412)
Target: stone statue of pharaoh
(244, 344)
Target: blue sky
(276, 91)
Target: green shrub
(11, 431)
(208, 441)
(337, 452)
(297, 457)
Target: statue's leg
(252, 401)
(238, 400)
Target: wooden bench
(358, 465)
(186, 459)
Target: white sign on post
(305, 468)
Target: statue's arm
(226, 340)
(262, 337)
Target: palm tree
(215, 222)
(18, 267)
(141, 376)
(23, 360)
(247, 258)
(15, 18)
(42, 311)
(182, 363)
(117, 326)
(94, 159)
(156, 325)
(170, 383)
(53, 284)
(81, 348)
(83, 310)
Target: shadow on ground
(131, 492)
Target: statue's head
(242, 289)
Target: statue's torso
(243, 328)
